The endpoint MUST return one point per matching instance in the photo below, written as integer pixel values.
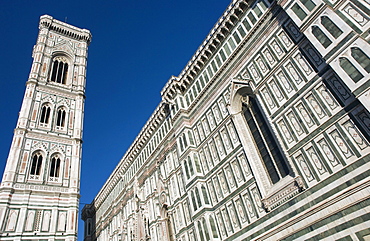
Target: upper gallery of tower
(60, 55)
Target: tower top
(60, 27)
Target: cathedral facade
(264, 135)
(39, 192)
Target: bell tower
(39, 192)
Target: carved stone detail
(289, 190)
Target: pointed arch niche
(269, 164)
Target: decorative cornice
(59, 27)
(142, 138)
(174, 86)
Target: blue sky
(136, 47)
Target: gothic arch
(45, 114)
(243, 95)
(166, 229)
(61, 117)
(55, 167)
(60, 68)
(240, 91)
(36, 165)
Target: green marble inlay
(306, 194)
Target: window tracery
(54, 171)
(59, 70)
(45, 114)
(36, 164)
(266, 144)
(61, 117)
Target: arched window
(181, 145)
(350, 69)
(201, 235)
(184, 139)
(213, 227)
(206, 233)
(36, 164)
(54, 166)
(198, 197)
(320, 35)
(205, 195)
(61, 117)
(331, 27)
(361, 58)
(197, 164)
(45, 114)
(190, 166)
(186, 170)
(193, 201)
(266, 144)
(191, 139)
(59, 70)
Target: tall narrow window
(201, 235)
(190, 166)
(320, 35)
(267, 146)
(36, 165)
(191, 139)
(54, 166)
(299, 11)
(252, 18)
(257, 11)
(181, 145)
(45, 114)
(59, 70)
(350, 69)
(186, 170)
(246, 25)
(213, 227)
(197, 164)
(205, 195)
(193, 201)
(361, 58)
(184, 139)
(197, 195)
(308, 4)
(206, 233)
(331, 27)
(61, 117)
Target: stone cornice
(212, 42)
(174, 86)
(62, 28)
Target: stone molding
(59, 27)
(289, 190)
